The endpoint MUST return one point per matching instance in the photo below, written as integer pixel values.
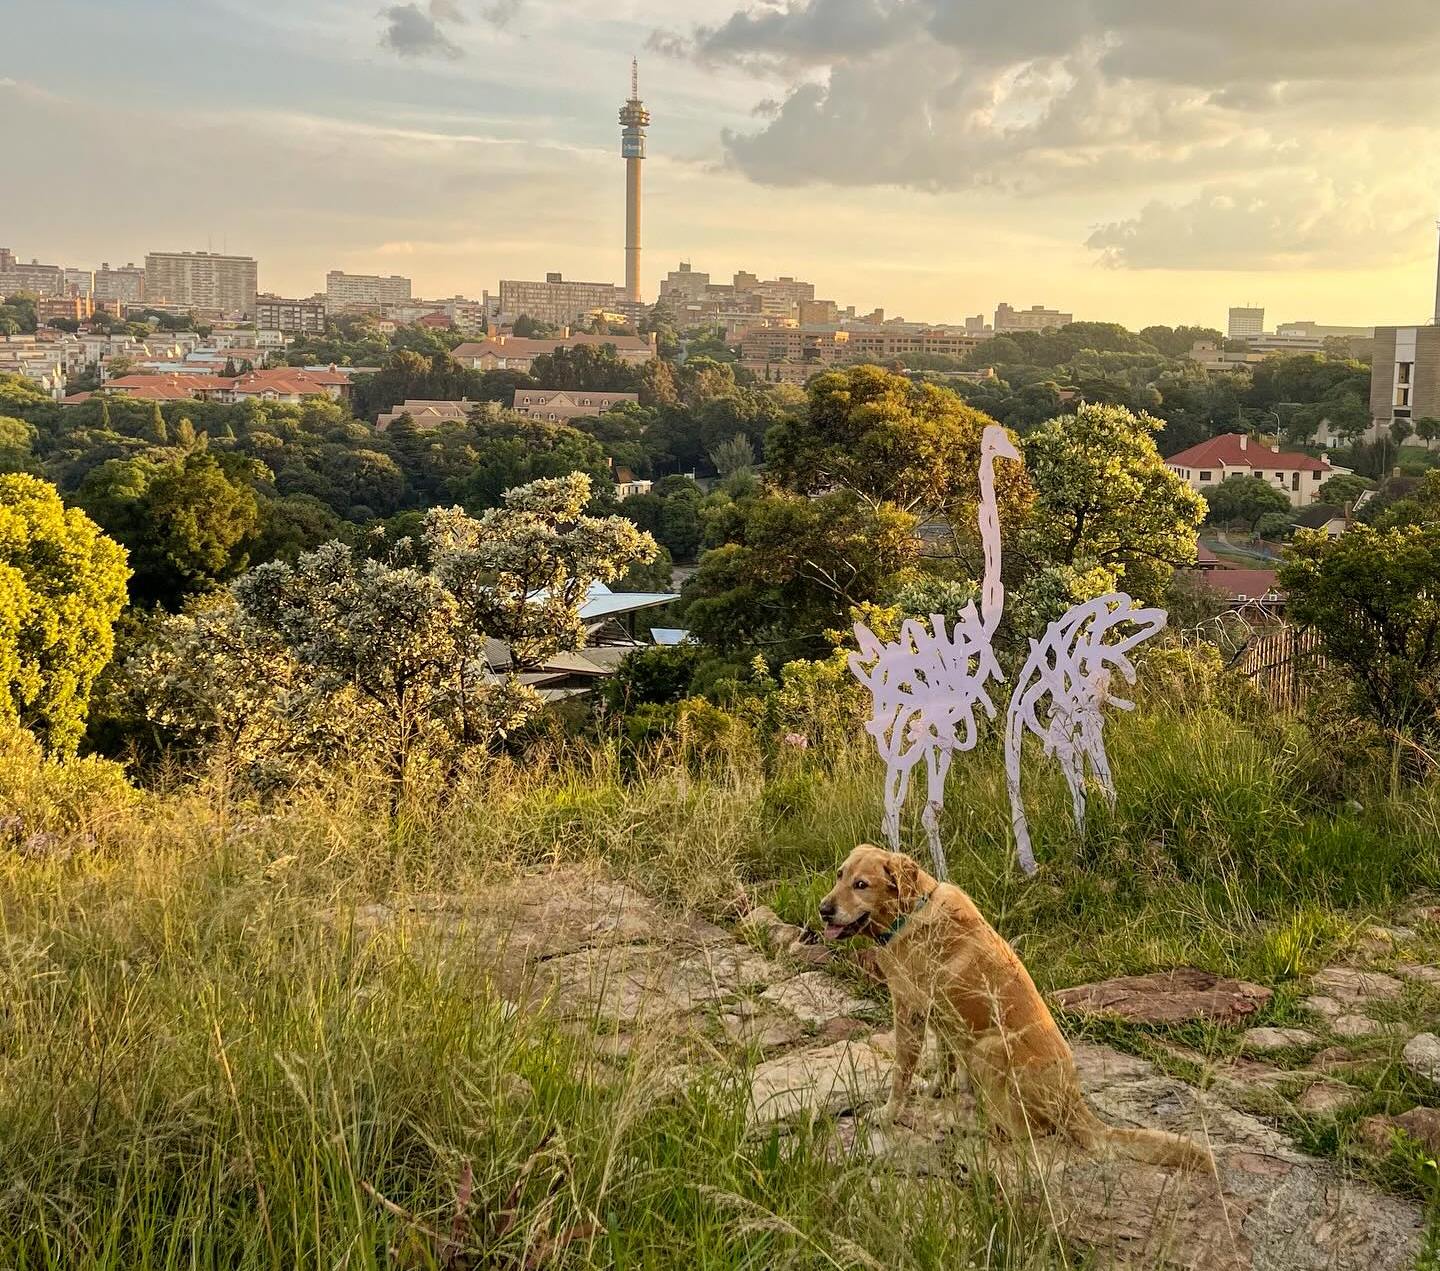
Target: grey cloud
(501, 13)
(669, 44)
(808, 32)
(413, 32)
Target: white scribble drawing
(927, 685)
(1060, 697)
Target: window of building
(1294, 480)
(1205, 476)
(1403, 371)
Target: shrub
(41, 796)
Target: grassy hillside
(203, 1064)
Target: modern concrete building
(1245, 323)
(634, 119)
(1035, 318)
(359, 293)
(202, 280)
(1299, 476)
(126, 285)
(1320, 331)
(294, 317)
(79, 282)
(1405, 376)
(556, 301)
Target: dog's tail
(1154, 1147)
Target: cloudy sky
(1135, 160)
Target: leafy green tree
(413, 644)
(186, 524)
(1244, 500)
(1405, 502)
(597, 367)
(1401, 431)
(155, 430)
(1344, 487)
(889, 440)
(529, 328)
(791, 567)
(1427, 428)
(62, 586)
(17, 440)
(520, 450)
(1374, 598)
(1104, 497)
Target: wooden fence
(1283, 662)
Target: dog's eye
(861, 884)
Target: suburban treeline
(856, 496)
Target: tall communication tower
(634, 119)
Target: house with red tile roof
(1243, 586)
(171, 387)
(1299, 476)
(289, 384)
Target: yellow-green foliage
(62, 585)
(45, 795)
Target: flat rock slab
(1268, 1039)
(627, 985)
(1422, 1057)
(826, 1079)
(814, 997)
(1420, 973)
(1357, 988)
(1166, 997)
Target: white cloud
(1282, 223)
(1120, 100)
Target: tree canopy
(62, 586)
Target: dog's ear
(904, 875)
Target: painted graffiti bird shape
(927, 686)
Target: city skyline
(457, 142)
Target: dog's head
(872, 889)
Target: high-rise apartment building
(557, 301)
(202, 280)
(1245, 323)
(125, 284)
(1035, 318)
(685, 284)
(79, 282)
(361, 292)
(294, 317)
(42, 280)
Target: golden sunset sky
(1131, 160)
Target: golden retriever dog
(948, 968)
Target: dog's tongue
(834, 931)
